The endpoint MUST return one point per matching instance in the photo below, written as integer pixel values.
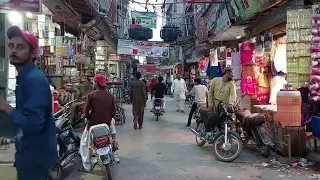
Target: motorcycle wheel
(216, 149)
(265, 150)
(55, 173)
(157, 117)
(200, 128)
(108, 171)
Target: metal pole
(181, 58)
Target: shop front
(31, 21)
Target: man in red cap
(100, 108)
(36, 144)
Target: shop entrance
(6, 127)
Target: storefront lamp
(15, 18)
(238, 37)
(29, 15)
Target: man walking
(200, 93)
(222, 88)
(179, 90)
(36, 144)
(138, 99)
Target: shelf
(53, 75)
(70, 66)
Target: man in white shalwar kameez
(179, 90)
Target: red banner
(33, 6)
(146, 68)
(119, 58)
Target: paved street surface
(166, 150)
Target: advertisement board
(114, 57)
(145, 19)
(33, 6)
(143, 48)
(146, 68)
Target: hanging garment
(280, 62)
(264, 80)
(246, 53)
(248, 86)
(248, 71)
(276, 83)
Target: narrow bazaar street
(166, 150)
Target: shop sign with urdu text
(143, 48)
(33, 6)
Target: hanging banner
(221, 21)
(143, 48)
(33, 6)
(114, 57)
(145, 19)
(245, 9)
(146, 68)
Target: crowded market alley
(166, 150)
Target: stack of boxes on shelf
(298, 47)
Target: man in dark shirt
(36, 144)
(138, 99)
(160, 89)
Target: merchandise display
(298, 47)
(314, 86)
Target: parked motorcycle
(78, 118)
(68, 145)
(157, 108)
(104, 148)
(215, 128)
(253, 127)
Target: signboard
(33, 6)
(146, 19)
(114, 57)
(221, 22)
(146, 68)
(142, 48)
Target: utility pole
(181, 58)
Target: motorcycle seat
(254, 120)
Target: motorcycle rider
(159, 90)
(200, 93)
(100, 108)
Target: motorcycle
(157, 108)
(78, 118)
(215, 128)
(104, 148)
(252, 125)
(68, 144)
